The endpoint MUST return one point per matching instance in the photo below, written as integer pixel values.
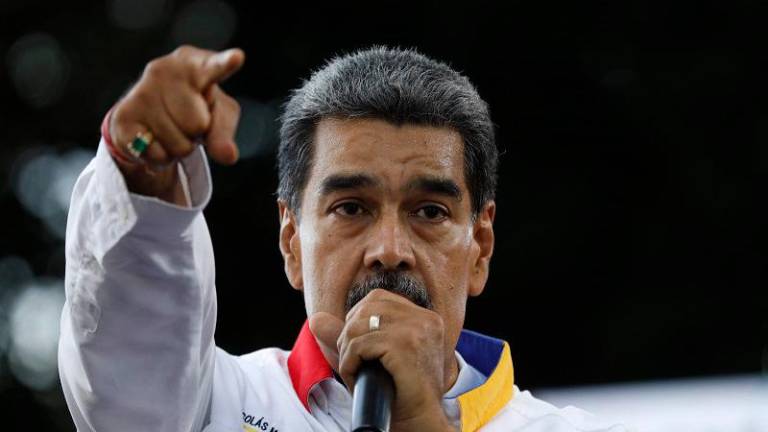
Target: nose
(389, 244)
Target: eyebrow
(436, 185)
(428, 184)
(340, 182)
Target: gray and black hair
(400, 86)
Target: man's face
(387, 199)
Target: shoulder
(267, 365)
(525, 413)
(265, 360)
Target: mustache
(393, 281)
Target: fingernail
(223, 57)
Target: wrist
(121, 158)
(139, 178)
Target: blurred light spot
(44, 183)
(257, 130)
(34, 328)
(727, 403)
(39, 69)
(136, 14)
(205, 23)
(14, 272)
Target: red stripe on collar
(307, 365)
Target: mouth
(397, 282)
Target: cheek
(450, 254)
(328, 270)
(446, 268)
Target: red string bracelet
(119, 156)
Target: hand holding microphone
(387, 336)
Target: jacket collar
(307, 367)
(492, 358)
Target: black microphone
(372, 398)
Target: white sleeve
(136, 349)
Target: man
(387, 167)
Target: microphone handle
(372, 398)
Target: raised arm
(136, 350)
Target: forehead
(387, 151)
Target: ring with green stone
(140, 144)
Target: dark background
(631, 205)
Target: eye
(349, 208)
(432, 213)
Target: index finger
(380, 294)
(210, 67)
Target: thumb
(327, 329)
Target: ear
(290, 245)
(483, 239)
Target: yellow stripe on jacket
(479, 405)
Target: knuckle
(127, 111)
(183, 50)
(341, 341)
(119, 113)
(418, 342)
(412, 341)
(234, 106)
(195, 125)
(429, 329)
(434, 321)
(364, 310)
(141, 97)
(229, 101)
(426, 331)
(155, 68)
(353, 346)
(377, 293)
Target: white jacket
(137, 351)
